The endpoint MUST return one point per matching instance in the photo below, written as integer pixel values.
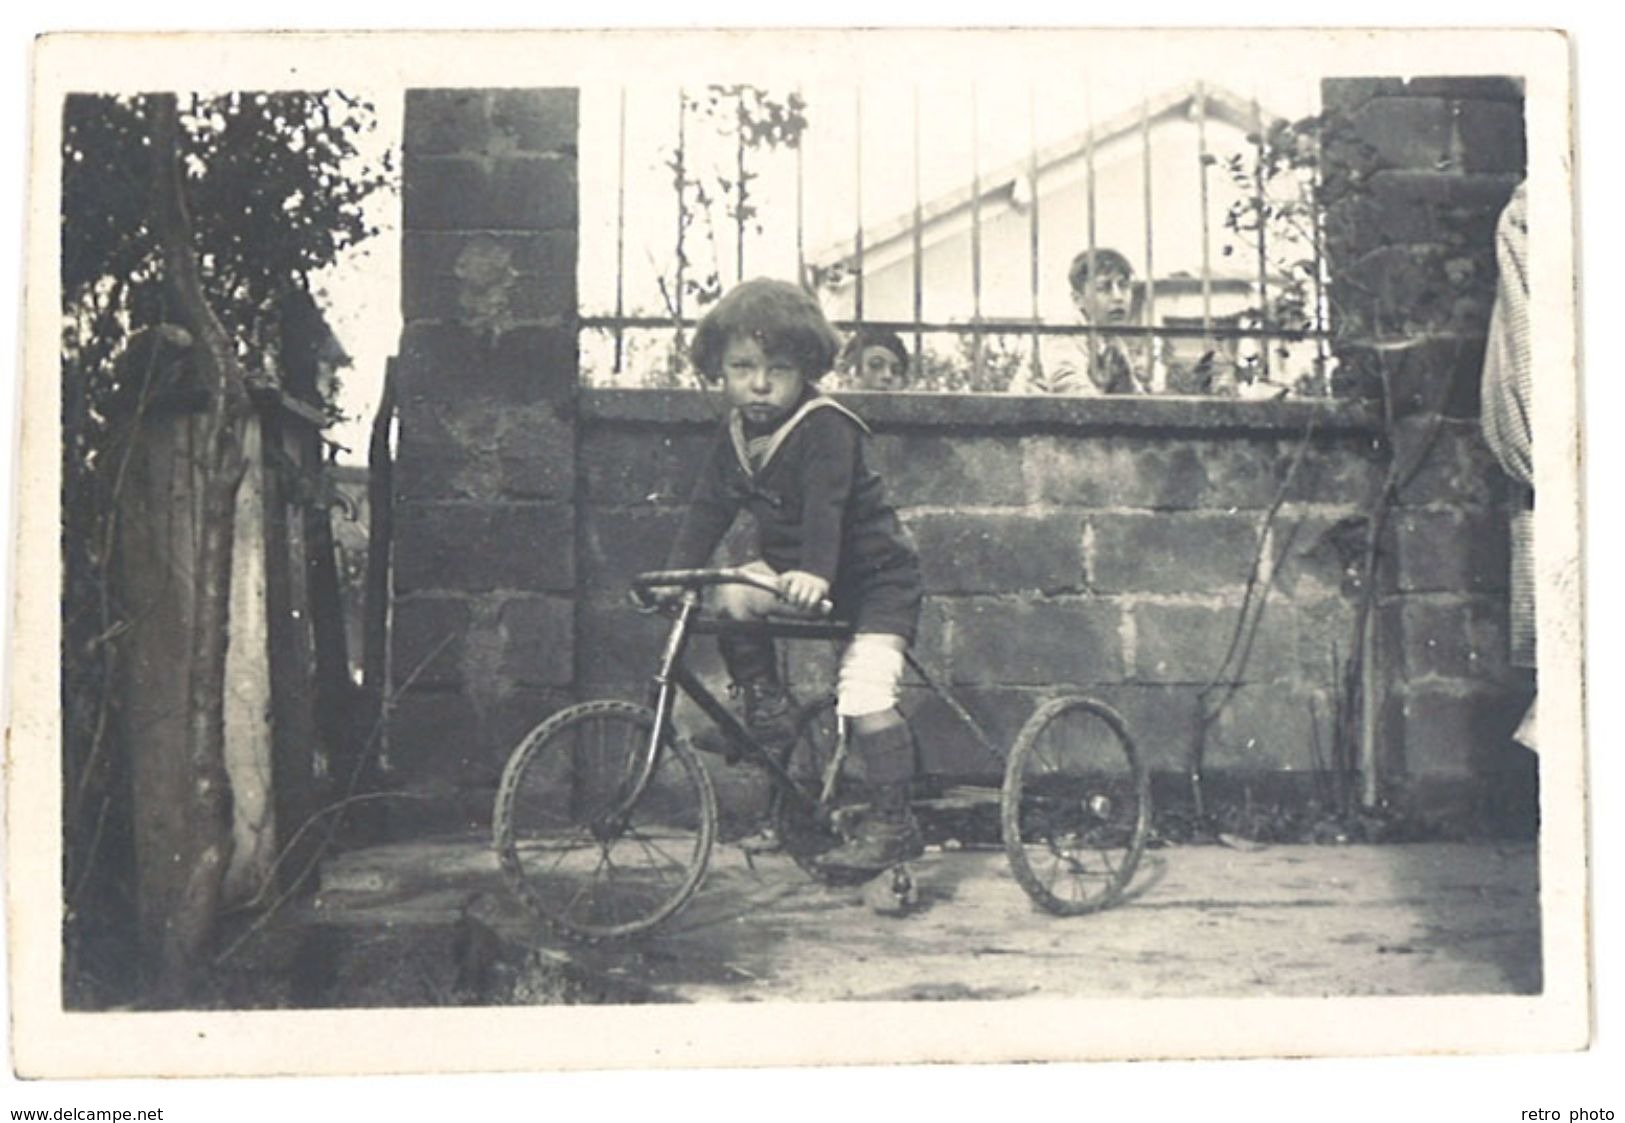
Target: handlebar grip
(642, 583)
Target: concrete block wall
(1080, 552)
(1101, 545)
(1413, 268)
(482, 640)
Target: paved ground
(1203, 921)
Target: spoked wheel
(1076, 806)
(802, 832)
(581, 846)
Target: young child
(875, 359)
(798, 461)
(1102, 284)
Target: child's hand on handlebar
(803, 590)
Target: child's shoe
(886, 836)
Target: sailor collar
(736, 430)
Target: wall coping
(1017, 413)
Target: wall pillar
(482, 641)
(1433, 161)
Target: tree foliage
(275, 186)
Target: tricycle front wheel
(583, 846)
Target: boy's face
(879, 368)
(1107, 298)
(762, 386)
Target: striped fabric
(1506, 356)
(1506, 411)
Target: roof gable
(999, 186)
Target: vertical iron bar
(1264, 341)
(857, 146)
(1323, 311)
(620, 234)
(739, 195)
(1032, 225)
(1089, 196)
(919, 227)
(976, 234)
(801, 214)
(1207, 250)
(1150, 309)
(682, 203)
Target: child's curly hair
(782, 317)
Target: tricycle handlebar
(644, 583)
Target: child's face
(1107, 298)
(879, 368)
(762, 386)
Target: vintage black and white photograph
(824, 551)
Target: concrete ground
(1202, 921)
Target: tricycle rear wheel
(1076, 806)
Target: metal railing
(1242, 343)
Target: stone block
(1154, 472)
(1079, 471)
(1026, 642)
(618, 543)
(1433, 638)
(1347, 470)
(1161, 720)
(1453, 464)
(1405, 207)
(1316, 555)
(1263, 727)
(1349, 93)
(534, 193)
(1489, 643)
(1445, 550)
(489, 281)
(515, 192)
(484, 449)
(618, 650)
(1411, 289)
(948, 747)
(1406, 131)
(1325, 639)
(515, 714)
(476, 547)
(998, 553)
(435, 737)
(1169, 553)
(1489, 87)
(452, 363)
(1491, 134)
(442, 122)
(537, 637)
(427, 636)
(953, 470)
(541, 120)
(641, 465)
(1423, 373)
(1187, 643)
(1449, 730)
(934, 640)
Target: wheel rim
(577, 849)
(1076, 808)
(803, 834)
